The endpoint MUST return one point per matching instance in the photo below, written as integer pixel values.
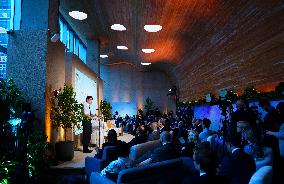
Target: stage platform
(78, 161)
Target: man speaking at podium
(87, 125)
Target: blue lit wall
(214, 113)
(124, 108)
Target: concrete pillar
(28, 52)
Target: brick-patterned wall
(242, 50)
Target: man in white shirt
(87, 125)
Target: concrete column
(28, 52)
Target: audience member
(206, 132)
(123, 162)
(252, 147)
(111, 141)
(237, 166)
(140, 136)
(205, 162)
(166, 152)
(155, 134)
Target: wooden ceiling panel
(198, 37)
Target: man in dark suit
(166, 152)
(205, 162)
(155, 134)
(164, 125)
(237, 166)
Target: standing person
(87, 125)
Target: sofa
(165, 172)
(93, 164)
(262, 176)
(139, 150)
(267, 160)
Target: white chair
(262, 176)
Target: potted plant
(66, 113)
(106, 110)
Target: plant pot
(64, 150)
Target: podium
(105, 127)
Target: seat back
(262, 176)
(138, 150)
(109, 153)
(266, 160)
(153, 173)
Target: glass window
(72, 42)
(3, 60)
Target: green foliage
(149, 106)
(66, 112)
(36, 157)
(250, 94)
(9, 99)
(6, 168)
(106, 109)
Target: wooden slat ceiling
(191, 28)
(181, 21)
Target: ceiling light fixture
(104, 56)
(145, 64)
(78, 15)
(153, 28)
(148, 51)
(118, 27)
(122, 47)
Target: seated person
(252, 148)
(111, 141)
(205, 162)
(237, 166)
(140, 136)
(166, 152)
(164, 125)
(155, 134)
(123, 162)
(175, 138)
(188, 148)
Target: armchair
(93, 164)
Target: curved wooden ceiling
(191, 28)
(182, 22)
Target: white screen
(85, 86)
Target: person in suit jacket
(237, 166)
(155, 134)
(166, 152)
(205, 162)
(140, 136)
(164, 125)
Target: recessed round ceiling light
(153, 28)
(78, 15)
(145, 64)
(118, 27)
(104, 56)
(148, 51)
(122, 47)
